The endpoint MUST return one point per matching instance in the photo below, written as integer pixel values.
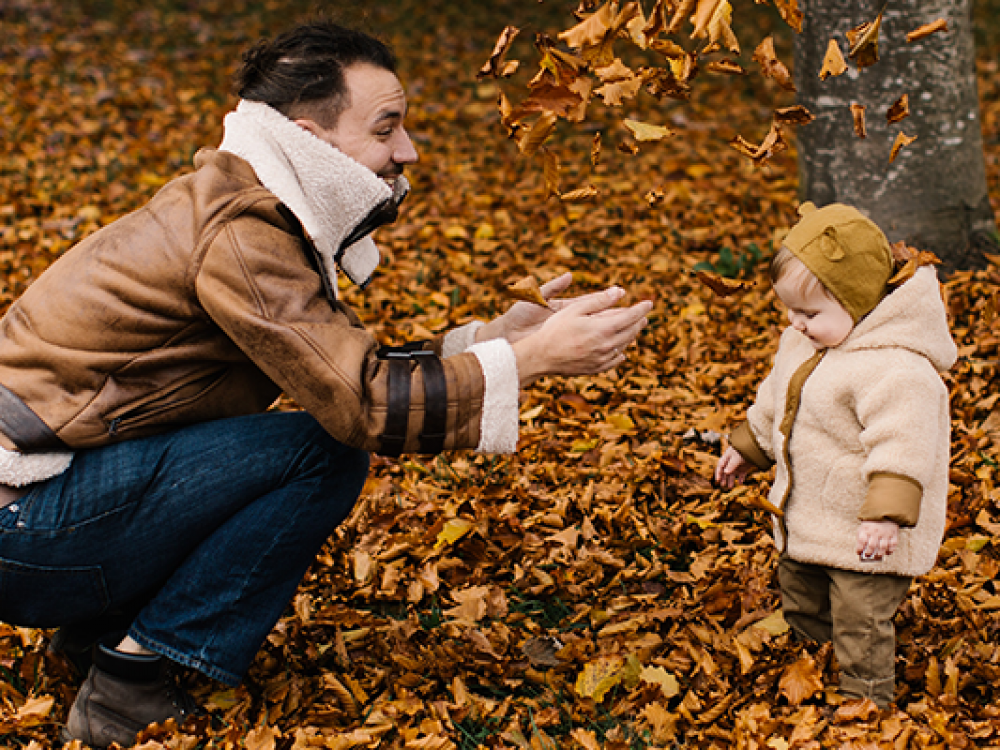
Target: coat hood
(911, 317)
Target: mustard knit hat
(846, 251)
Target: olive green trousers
(854, 611)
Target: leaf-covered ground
(595, 589)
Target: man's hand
(877, 539)
(584, 336)
(732, 468)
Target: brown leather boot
(122, 695)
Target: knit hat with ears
(846, 251)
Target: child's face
(813, 312)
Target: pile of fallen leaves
(595, 589)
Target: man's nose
(404, 152)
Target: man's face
(370, 130)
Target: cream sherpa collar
(329, 193)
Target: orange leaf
(722, 287)
(833, 61)
(527, 289)
(771, 66)
(772, 144)
(858, 113)
(927, 29)
(902, 139)
(801, 680)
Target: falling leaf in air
(681, 13)
(908, 260)
(833, 61)
(858, 114)
(794, 115)
(713, 19)
(790, 13)
(496, 67)
(720, 286)
(551, 171)
(527, 290)
(863, 40)
(657, 21)
(899, 109)
(535, 136)
(902, 139)
(801, 680)
(728, 67)
(644, 131)
(927, 29)
(595, 149)
(580, 195)
(773, 143)
(771, 66)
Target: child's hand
(877, 539)
(732, 467)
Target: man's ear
(311, 125)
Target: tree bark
(934, 194)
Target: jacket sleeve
(258, 286)
(755, 440)
(903, 412)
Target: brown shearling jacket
(206, 303)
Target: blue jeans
(204, 532)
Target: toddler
(854, 415)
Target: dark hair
(300, 73)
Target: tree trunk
(933, 195)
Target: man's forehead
(375, 92)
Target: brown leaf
(728, 67)
(899, 109)
(720, 286)
(541, 651)
(595, 149)
(494, 67)
(863, 40)
(527, 290)
(902, 139)
(833, 61)
(771, 66)
(681, 13)
(580, 195)
(796, 115)
(856, 710)
(927, 29)
(801, 680)
(790, 13)
(858, 114)
(772, 144)
(536, 135)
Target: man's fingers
(558, 285)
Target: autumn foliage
(595, 589)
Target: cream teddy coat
(874, 405)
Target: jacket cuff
(498, 431)
(892, 497)
(743, 440)
(459, 339)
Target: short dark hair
(301, 72)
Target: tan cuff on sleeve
(742, 439)
(892, 497)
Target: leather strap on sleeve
(398, 406)
(435, 402)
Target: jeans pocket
(42, 596)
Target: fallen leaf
(541, 651)
(598, 677)
(800, 680)
(453, 530)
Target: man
(147, 501)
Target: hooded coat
(873, 413)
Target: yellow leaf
(666, 680)
(598, 677)
(454, 529)
(774, 624)
(643, 131)
(37, 707)
(833, 61)
(621, 422)
(582, 446)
